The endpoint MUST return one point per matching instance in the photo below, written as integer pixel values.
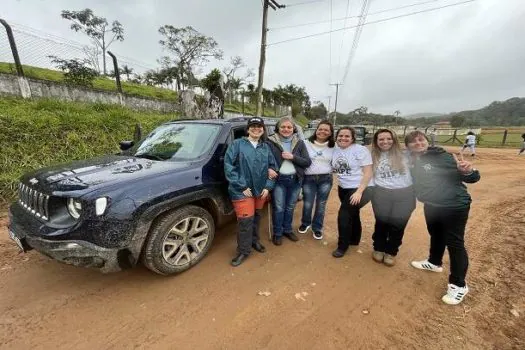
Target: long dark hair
(331, 139)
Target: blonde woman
(394, 199)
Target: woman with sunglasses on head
(318, 178)
(353, 165)
(246, 167)
(292, 159)
(439, 179)
(394, 199)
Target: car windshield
(178, 141)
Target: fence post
(242, 101)
(137, 135)
(504, 137)
(405, 131)
(12, 43)
(117, 73)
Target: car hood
(96, 172)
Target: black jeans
(348, 219)
(447, 229)
(392, 209)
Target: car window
(239, 132)
(178, 141)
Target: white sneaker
(425, 265)
(454, 294)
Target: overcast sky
(456, 58)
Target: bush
(44, 132)
(76, 72)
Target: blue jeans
(284, 198)
(316, 188)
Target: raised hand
(464, 166)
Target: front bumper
(77, 253)
(69, 250)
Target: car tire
(178, 240)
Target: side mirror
(125, 145)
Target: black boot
(256, 243)
(239, 259)
(244, 240)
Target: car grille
(35, 202)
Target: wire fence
(486, 137)
(36, 51)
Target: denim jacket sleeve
(232, 168)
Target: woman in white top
(318, 178)
(353, 165)
(394, 199)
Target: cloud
(457, 58)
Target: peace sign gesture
(464, 166)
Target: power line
(330, 53)
(343, 36)
(345, 18)
(304, 3)
(357, 36)
(372, 22)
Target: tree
(211, 81)
(126, 70)
(397, 113)
(318, 111)
(189, 49)
(96, 28)
(293, 96)
(76, 71)
(232, 82)
(92, 55)
(457, 121)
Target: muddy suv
(158, 201)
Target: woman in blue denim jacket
(292, 159)
(318, 178)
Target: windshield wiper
(149, 156)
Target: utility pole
(262, 60)
(336, 95)
(329, 105)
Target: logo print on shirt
(385, 170)
(427, 167)
(342, 166)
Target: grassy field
(37, 133)
(101, 83)
(106, 84)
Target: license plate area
(17, 240)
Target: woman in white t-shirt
(353, 165)
(318, 178)
(394, 199)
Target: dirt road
(316, 301)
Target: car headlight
(74, 207)
(101, 205)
